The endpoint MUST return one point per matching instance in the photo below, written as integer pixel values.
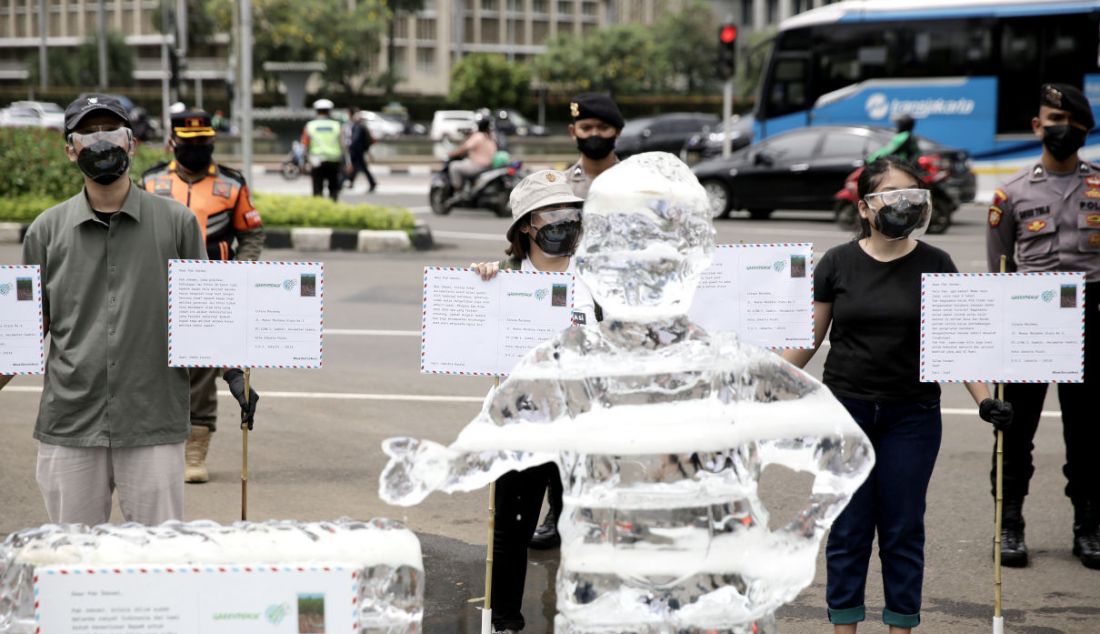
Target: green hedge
(38, 175)
(34, 163)
(282, 210)
(276, 211)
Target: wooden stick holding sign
(487, 607)
(242, 314)
(998, 620)
(244, 448)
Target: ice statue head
(647, 238)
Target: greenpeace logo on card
(779, 266)
(5, 288)
(275, 614)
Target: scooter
(295, 164)
(933, 176)
(489, 190)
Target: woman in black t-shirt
(869, 291)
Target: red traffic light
(727, 34)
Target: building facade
(427, 43)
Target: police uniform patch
(1092, 220)
(995, 216)
(1036, 226)
(223, 189)
(1093, 182)
(1094, 239)
(162, 186)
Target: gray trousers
(463, 171)
(77, 483)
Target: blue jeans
(906, 438)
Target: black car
(663, 133)
(708, 143)
(805, 168)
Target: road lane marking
(433, 398)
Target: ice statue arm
(823, 316)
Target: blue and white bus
(968, 71)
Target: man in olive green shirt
(113, 415)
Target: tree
(328, 31)
(81, 68)
(485, 79)
(621, 60)
(687, 43)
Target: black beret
(90, 104)
(1070, 99)
(593, 105)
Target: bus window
(1034, 51)
(788, 91)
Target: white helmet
(323, 104)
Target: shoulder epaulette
(232, 173)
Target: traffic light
(727, 51)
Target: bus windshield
(1018, 52)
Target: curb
(380, 170)
(308, 238)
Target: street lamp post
(245, 88)
(101, 44)
(43, 32)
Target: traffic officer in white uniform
(1047, 218)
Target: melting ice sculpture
(386, 554)
(660, 430)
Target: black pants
(518, 502)
(1080, 422)
(327, 171)
(359, 164)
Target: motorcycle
(933, 178)
(489, 190)
(295, 164)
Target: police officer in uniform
(321, 138)
(1047, 218)
(597, 122)
(231, 226)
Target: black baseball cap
(93, 103)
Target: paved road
(315, 453)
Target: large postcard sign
(22, 350)
(473, 327)
(245, 314)
(220, 599)
(1003, 327)
(763, 292)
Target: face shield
(900, 213)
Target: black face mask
(596, 147)
(103, 162)
(558, 238)
(194, 157)
(1063, 141)
(898, 221)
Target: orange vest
(220, 200)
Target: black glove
(235, 379)
(997, 412)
